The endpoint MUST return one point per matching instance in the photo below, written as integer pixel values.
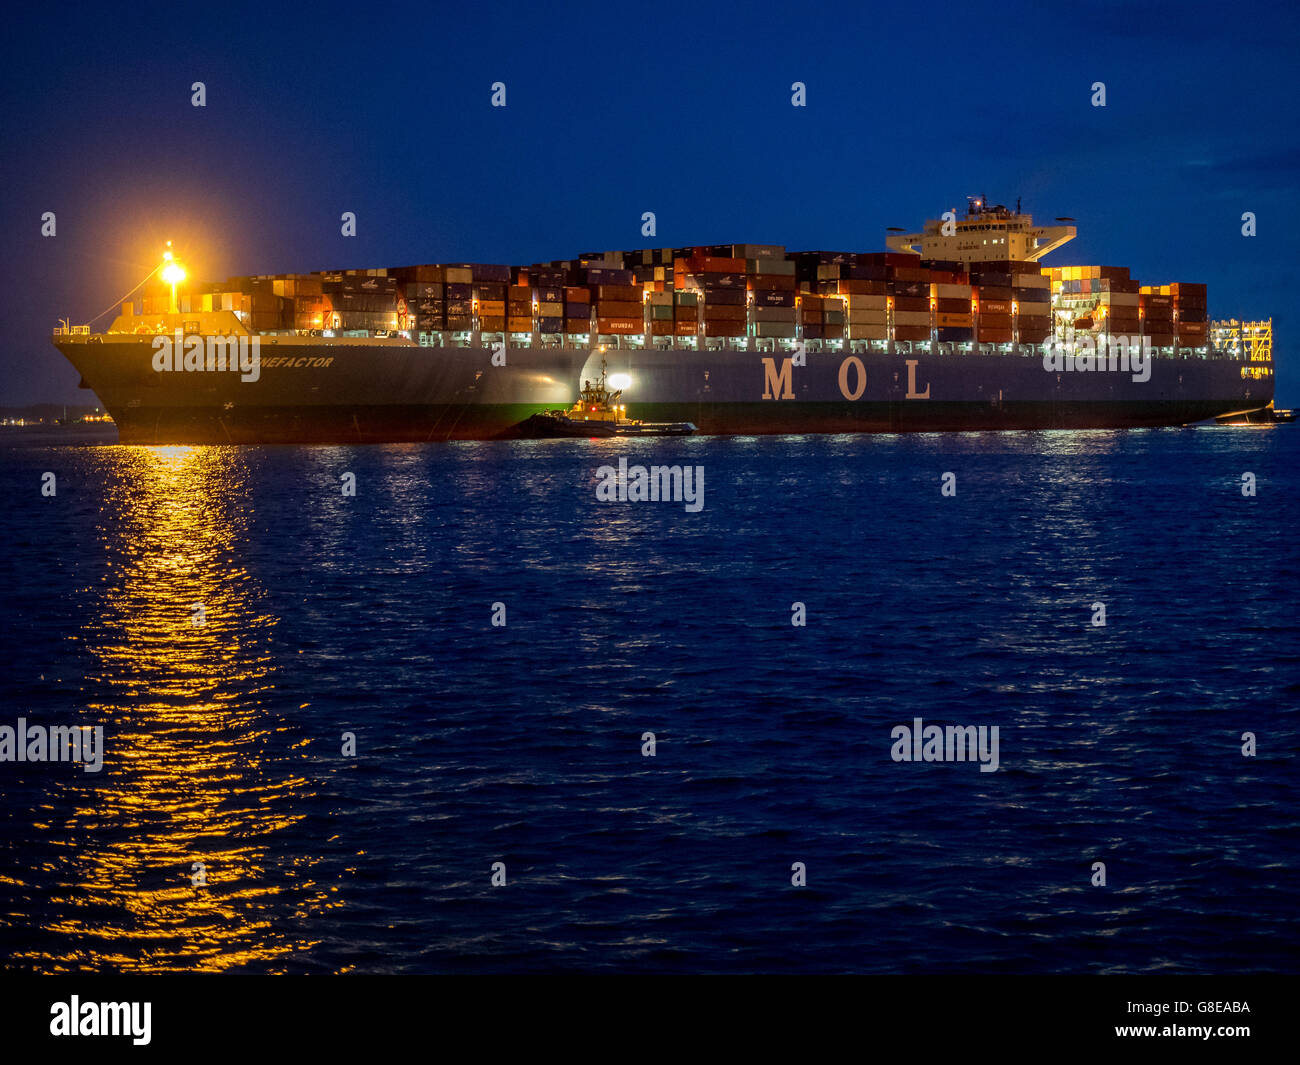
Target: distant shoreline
(42, 435)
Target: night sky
(616, 109)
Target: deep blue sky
(616, 109)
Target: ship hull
(314, 392)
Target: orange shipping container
(520, 325)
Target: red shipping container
(910, 332)
(993, 336)
(686, 328)
(577, 295)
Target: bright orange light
(173, 273)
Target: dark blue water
(479, 744)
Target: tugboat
(598, 413)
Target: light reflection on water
(195, 769)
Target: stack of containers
(421, 287)
(458, 289)
(489, 281)
(770, 277)
(615, 298)
(519, 304)
(950, 298)
(907, 287)
(652, 268)
(992, 295)
(863, 288)
(1031, 303)
(312, 309)
(722, 286)
(1116, 296)
(577, 309)
(811, 315)
(1156, 307)
(549, 286)
(686, 312)
(1190, 313)
(661, 311)
(362, 300)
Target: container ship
(956, 327)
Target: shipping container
(774, 314)
(953, 292)
(857, 317)
(775, 329)
(866, 331)
(619, 308)
(723, 313)
(620, 326)
(758, 251)
(723, 328)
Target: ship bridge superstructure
(987, 233)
